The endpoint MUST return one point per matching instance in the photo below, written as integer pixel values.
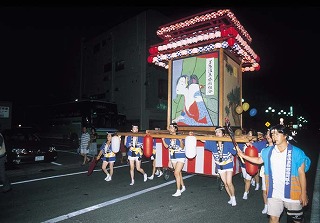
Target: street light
(301, 121)
(270, 109)
(281, 112)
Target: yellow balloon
(238, 132)
(245, 106)
(239, 109)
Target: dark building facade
(114, 68)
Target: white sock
(265, 210)
(177, 193)
(233, 201)
(245, 195)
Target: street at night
(64, 193)
(78, 75)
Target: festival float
(205, 55)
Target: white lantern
(218, 45)
(184, 42)
(218, 34)
(191, 147)
(195, 50)
(184, 52)
(115, 144)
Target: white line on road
(58, 164)
(63, 175)
(107, 203)
(57, 176)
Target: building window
(119, 65)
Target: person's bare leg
(131, 162)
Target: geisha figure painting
(195, 112)
(195, 99)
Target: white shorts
(276, 206)
(225, 170)
(245, 174)
(84, 151)
(135, 158)
(181, 160)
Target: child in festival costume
(109, 157)
(223, 153)
(135, 145)
(177, 157)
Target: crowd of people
(284, 167)
(280, 165)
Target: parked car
(23, 145)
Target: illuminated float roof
(202, 33)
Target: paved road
(63, 192)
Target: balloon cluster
(245, 107)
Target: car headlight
(19, 151)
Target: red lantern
(224, 32)
(153, 50)
(231, 41)
(150, 59)
(147, 146)
(232, 31)
(222, 26)
(251, 168)
(257, 67)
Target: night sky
(38, 43)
